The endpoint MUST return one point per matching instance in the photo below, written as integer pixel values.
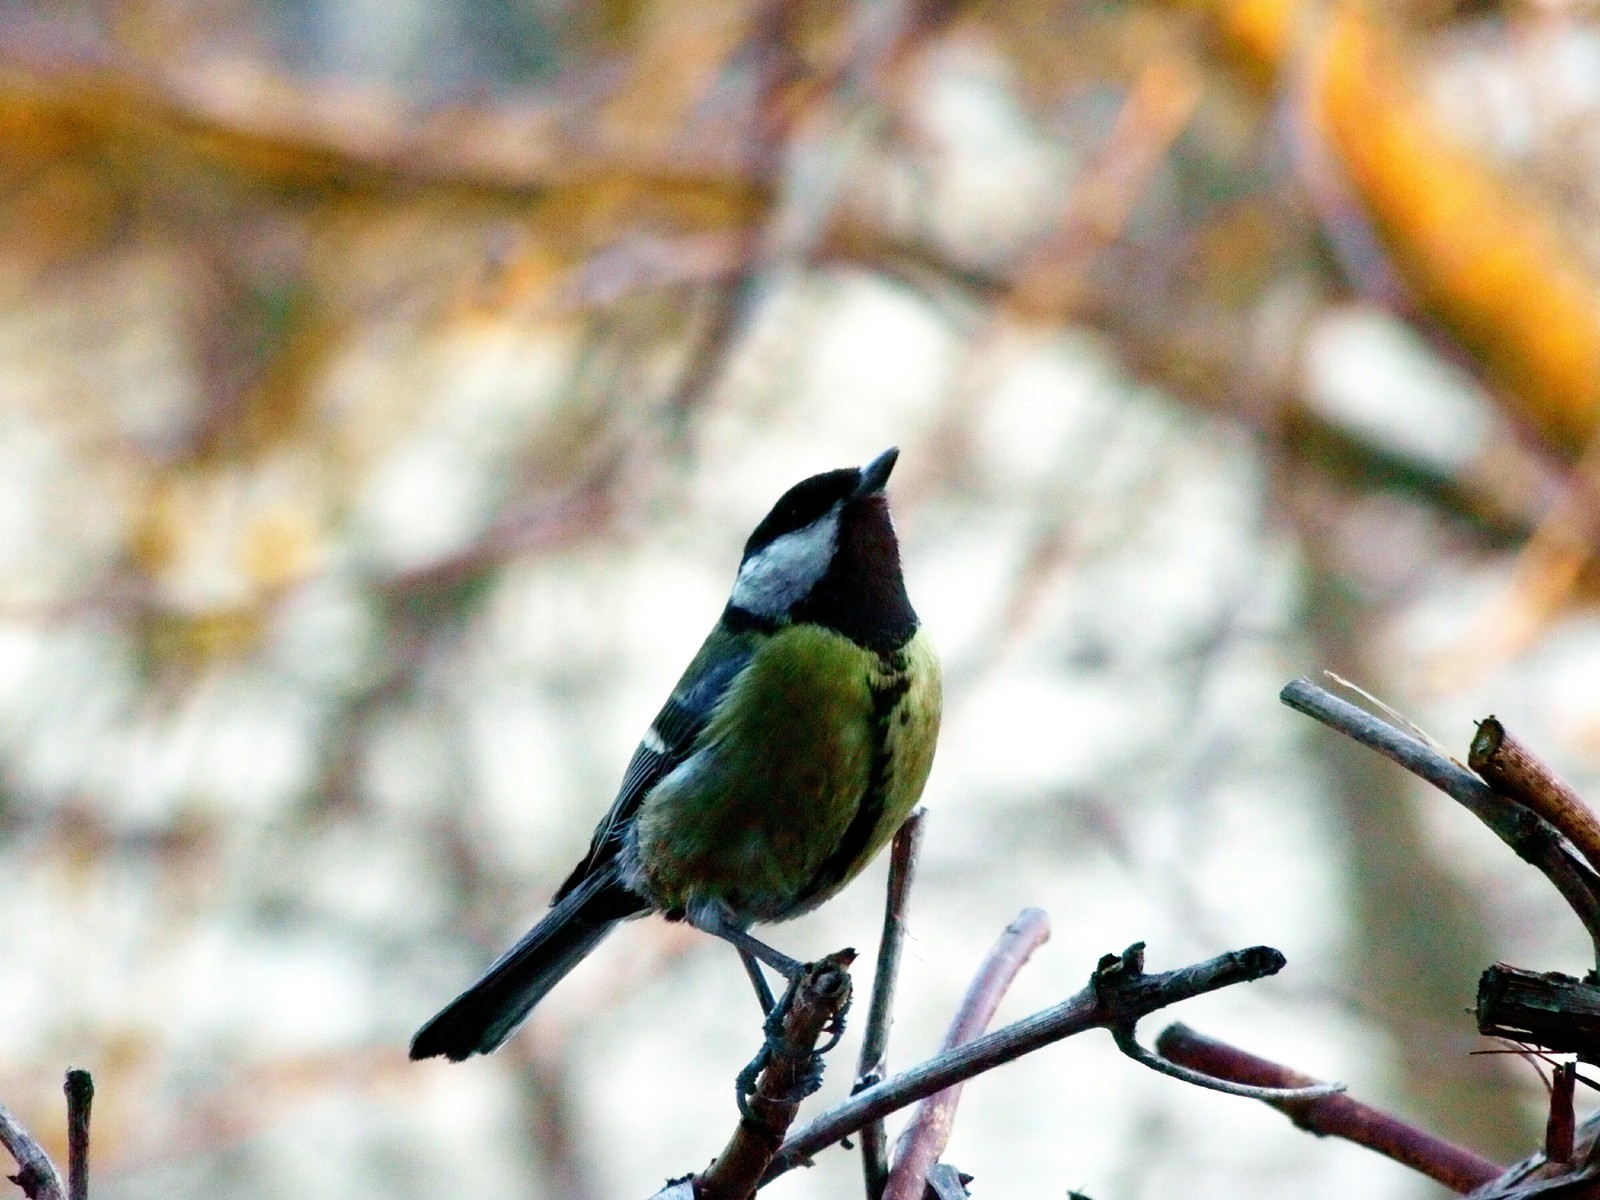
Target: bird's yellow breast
(811, 761)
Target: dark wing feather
(676, 729)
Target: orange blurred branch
(1481, 256)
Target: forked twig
(1534, 839)
(1116, 973)
(1138, 996)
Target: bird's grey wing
(669, 741)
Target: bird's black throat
(863, 593)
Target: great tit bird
(792, 748)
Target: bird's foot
(808, 1072)
(835, 1028)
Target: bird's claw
(744, 1086)
(834, 1029)
(808, 1078)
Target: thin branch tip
(1521, 826)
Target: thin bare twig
(875, 1040)
(928, 1133)
(1155, 111)
(1456, 1168)
(1546, 570)
(37, 1175)
(1517, 772)
(1560, 1126)
(1117, 973)
(1534, 839)
(79, 1088)
(1084, 1011)
(771, 51)
(816, 1001)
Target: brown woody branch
(926, 1137)
(816, 1001)
(1534, 839)
(1559, 1126)
(1574, 1177)
(286, 129)
(1550, 1010)
(1516, 772)
(1339, 1116)
(1094, 1007)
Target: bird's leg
(780, 962)
(724, 927)
(752, 968)
(712, 916)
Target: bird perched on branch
(791, 750)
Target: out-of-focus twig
(1084, 1011)
(816, 1001)
(1534, 839)
(1517, 772)
(1482, 255)
(549, 1118)
(1155, 111)
(1045, 286)
(771, 52)
(280, 128)
(36, 1175)
(928, 1133)
(1339, 1116)
(79, 1088)
(875, 1040)
(1546, 570)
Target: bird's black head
(826, 554)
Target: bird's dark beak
(876, 473)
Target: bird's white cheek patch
(777, 578)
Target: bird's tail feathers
(484, 1015)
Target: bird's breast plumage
(814, 756)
